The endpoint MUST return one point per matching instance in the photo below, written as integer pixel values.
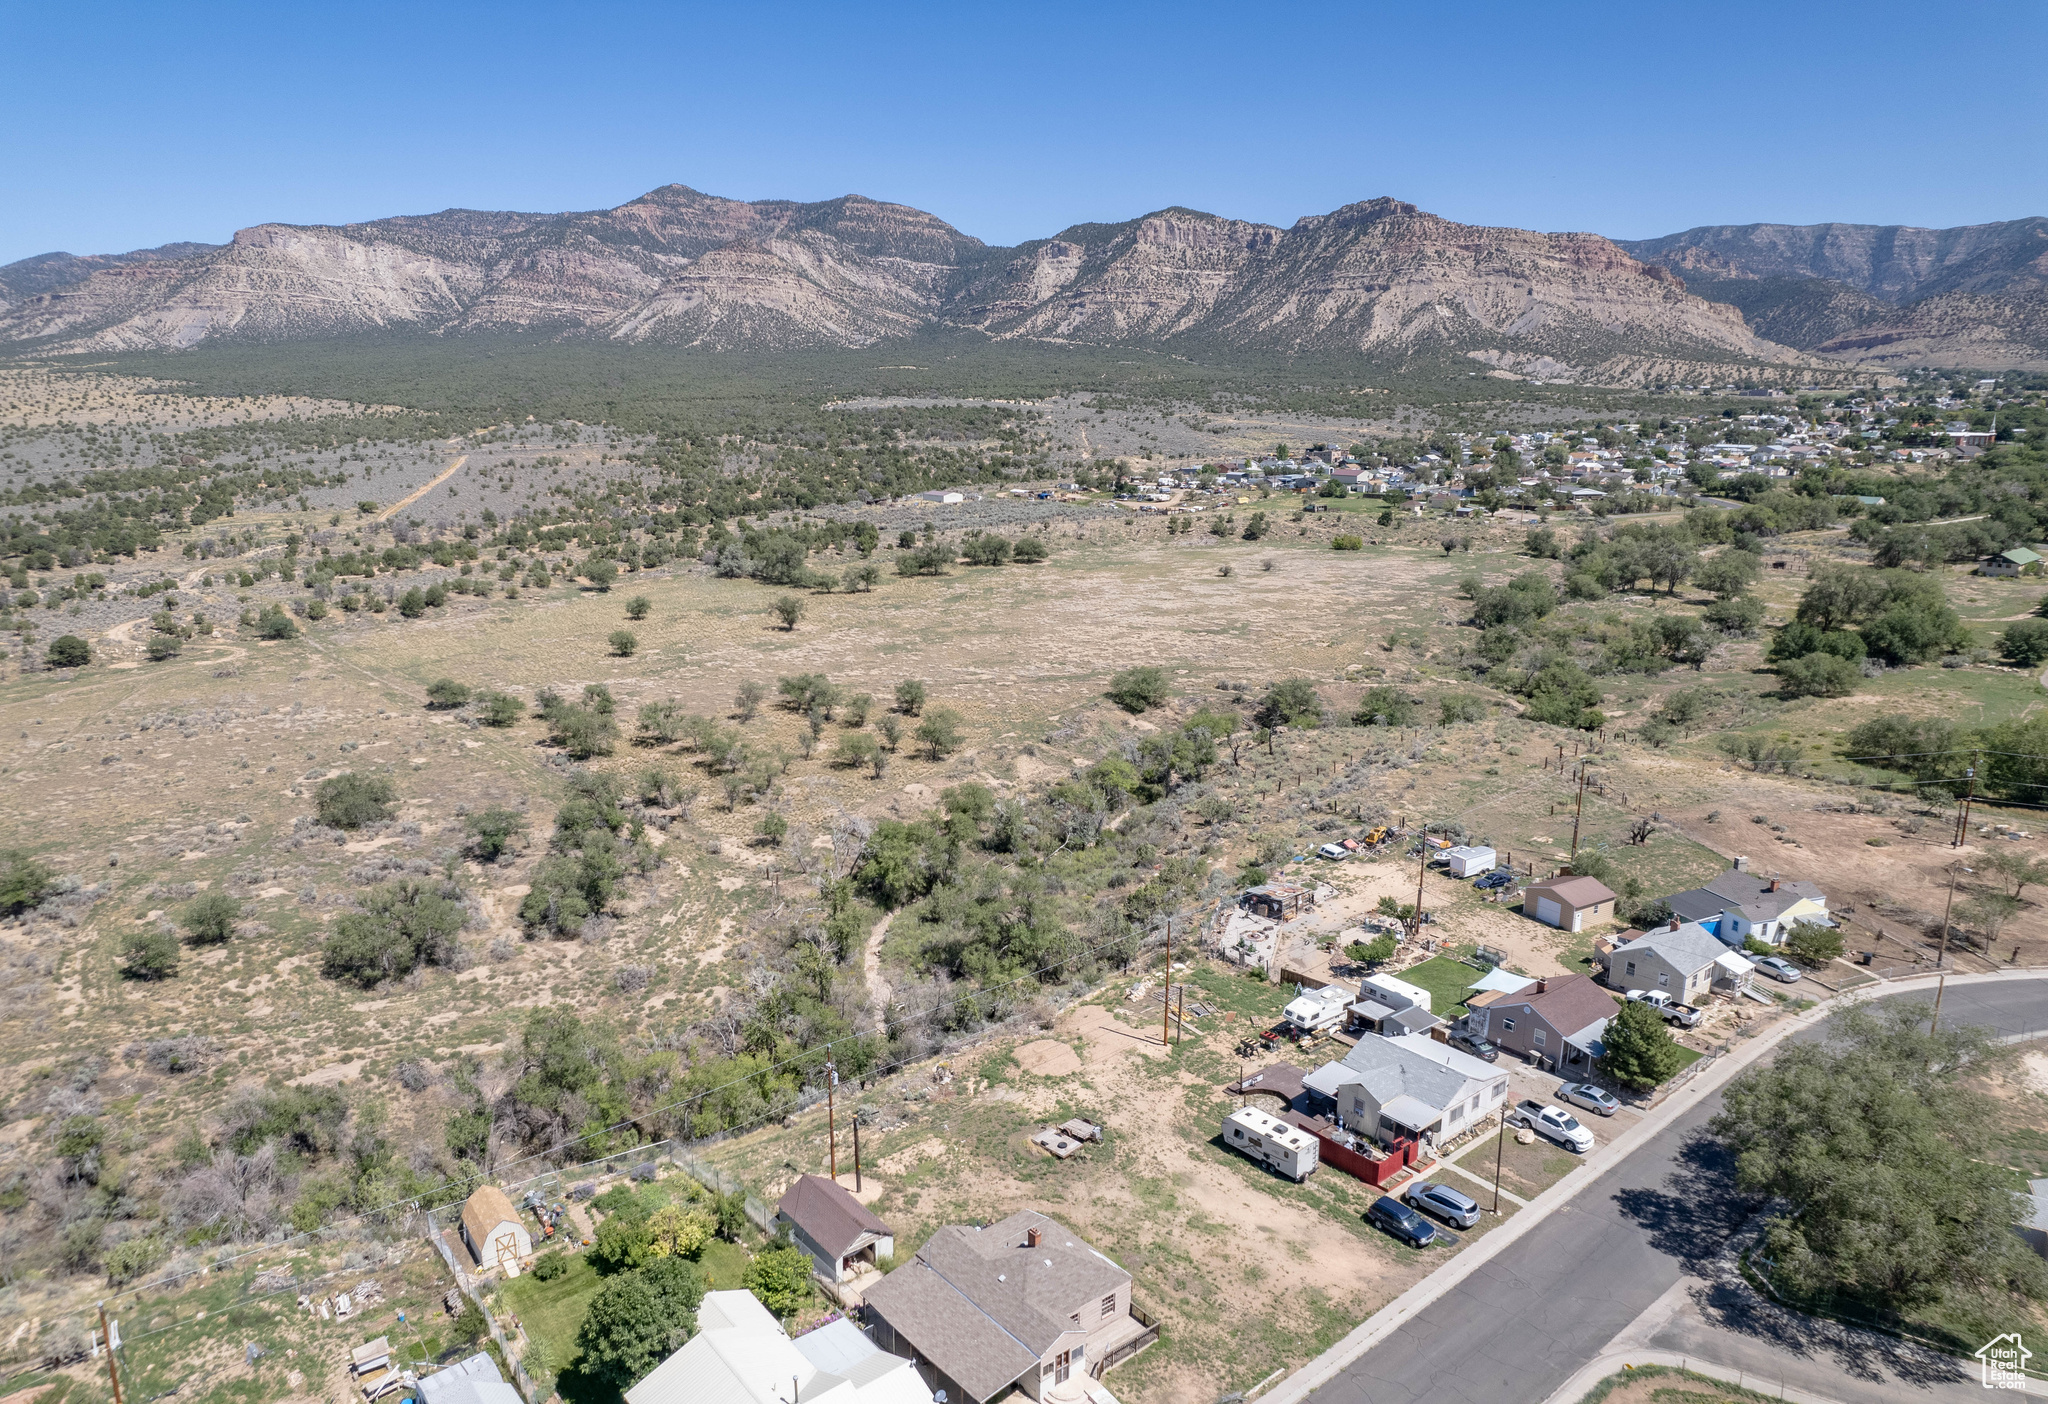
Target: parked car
(1446, 1203)
(1333, 850)
(1551, 1123)
(1585, 1094)
(1671, 1009)
(1404, 1223)
(1499, 877)
(1778, 968)
(1476, 1046)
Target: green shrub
(446, 692)
(1029, 551)
(494, 831)
(24, 882)
(498, 708)
(1139, 689)
(69, 651)
(351, 800)
(624, 642)
(274, 623)
(780, 1278)
(163, 647)
(1817, 675)
(210, 918)
(600, 573)
(1347, 543)
(1384, 706)
(413, 603)
(2025, 643)
(402, 924)
(549, 1266)
(149, 955)
(639, 607)
(910, 697)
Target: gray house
(1409, 1088)
(1684, 960)
(836, 1229)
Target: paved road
(1516, 1329)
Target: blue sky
(129, 126)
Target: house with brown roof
(843, 1238)
(1024, 1302)
(1569, 903)
(1558, 1020)
(494, 1233)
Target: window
(1663, 979)
(1109, 1305)
(1507, 1025)
(1631, 968)
(1542, 1037)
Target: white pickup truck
(1683, 1015)
(1551, 1123)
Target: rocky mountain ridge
(1379, 279)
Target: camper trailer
(1271, 1141)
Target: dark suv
(1401, 1221)
(1476, 1046)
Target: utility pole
(1421, 866)
(1955, 870)
(831, 1116)
(856, 1150)
(1166, 993)
(1500, 1144)
(107, 1335)
(1963, 814)
(1578, 814)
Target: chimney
(1674, 923)
(1773, 887)
(1741, 865)
(1542, 985)
(1031, 1239)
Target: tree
(1290, 702)
(69, 651)
(2025, 643)
(638, 1320)
(1377, 951)
(676, 1232)
(1839, 1134)
(402, 924)
(2016, 868)
(939, 732)
(1812, 944)
(620, 1243)
(1384, 706)
(443, 693)
(1728, 573)
(855, 749)
(1029, 551)
(149, 955)
(24, 882)
(780, 1278)
(789, 609)
(209, 920)
(746, 703)
(413, 603)
(1640, 1050)
(638, 607)
(351, 800)
(1139, 689)
(624, 642)
(600, 573)
(161, 648)
(910, 697)
(891, 727)
(494, 831)
(498, 708)
(1817, 675)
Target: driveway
(1639, 1256)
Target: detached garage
(1569, 903)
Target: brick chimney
(1674, 923)
(1542, 985)
(1773, 887)
(1031, 1239)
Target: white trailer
(1464, 861)
(1315, 1010)
(1271, 1141)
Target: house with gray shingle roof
(1408, 1088)
(1685, 960)
(1024, 1302)
(1750, 906)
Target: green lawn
(1446, 980)
(552, 1312)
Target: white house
(741, 1355)
(1410, 1087)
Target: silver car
(1778, 969)
(1585, 1094)
(1447, 1204)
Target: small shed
(1569, 903)
(370, 1355)
(493, 1231)
(472, 1381)
(1271, 1141)
(1469, 861)
(842, 1236)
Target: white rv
(1271, 1141)
(1315, 1010)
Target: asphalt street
(1516, 1329)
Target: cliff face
(1887, 294)
(682, 267)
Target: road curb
(1402, 1309)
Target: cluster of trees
(1851, 612)
(593, 850)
